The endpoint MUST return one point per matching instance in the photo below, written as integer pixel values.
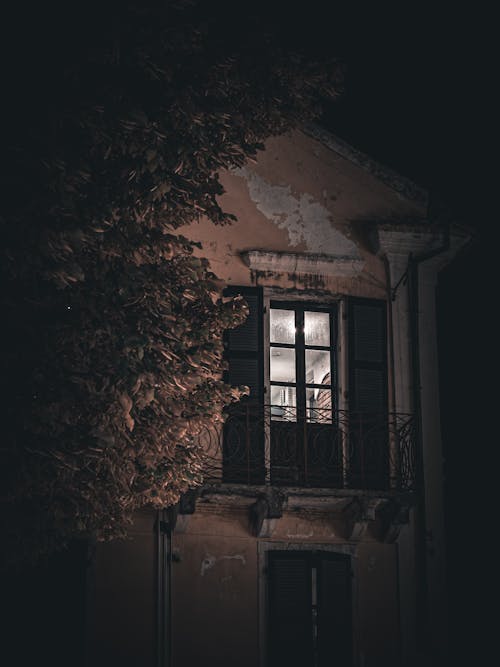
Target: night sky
(420, 113)
(414, 100)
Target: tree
(114, 328)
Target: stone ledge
(354, 515)
(309, 264)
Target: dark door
(310, 609)
(334, 600)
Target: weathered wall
(302, 197)
(215, 600)
(216, 608)
(378, 605)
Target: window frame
(300, 307)
(344, 452)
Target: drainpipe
(391, 382)
(165, 523)
(420, 521)
(390, 337)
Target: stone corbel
(263, 513)
(184, 509)
(345, 520)
(380, 519)
(382, 516)
(399, 519)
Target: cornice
(400, 241)
(313, 264)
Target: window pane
(317, 328)
(283, 403)
(318, 367)
(282, 326)
(282, 364)
(319, 405)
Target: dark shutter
(290, 610)
(334, 610)
(244, 427)
(244, 345)
(367, 356)
(368, 419)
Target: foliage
(114, 328)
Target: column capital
(398, 241)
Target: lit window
(301, 359)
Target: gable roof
(400, 184)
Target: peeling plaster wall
(378, 612)
(302, 197)
(215, 603)
(305, 219)
(217, 584)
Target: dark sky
(414, 91)
(415, 99)
(415, 78)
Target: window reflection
(282, 326)
(317, 328)
(282, 364)
(319, 405)
(317, 366)
(283, 403)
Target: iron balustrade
(343, 450)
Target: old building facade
(318, 535)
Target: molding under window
(313, 264)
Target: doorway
(309, 605)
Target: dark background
(415, 99)
(420, 107)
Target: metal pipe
(163, 590)
(159, 593)
(168, 569)
(390, 337)
(420, 514)
(394, 463)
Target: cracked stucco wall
(303, 217)
(300, 197)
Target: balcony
(259, 445)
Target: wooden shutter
(334, 610)
(367, 356)
(243, 448)
(368, 419)
(290, 609)
(244, 345)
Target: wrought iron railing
(341, 450)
